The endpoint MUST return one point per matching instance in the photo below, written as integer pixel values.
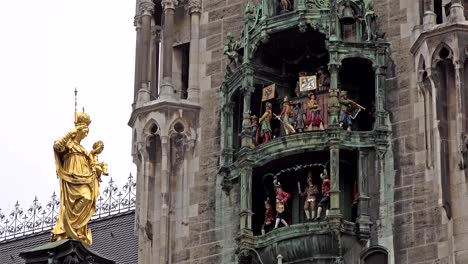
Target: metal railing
(38, 218)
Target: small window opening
(438, 11)
(182, 54)
(179, 128)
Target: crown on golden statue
(82, 119)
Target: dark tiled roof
(113, 238)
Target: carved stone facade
(386, 129)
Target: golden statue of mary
(79, 186)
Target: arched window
(375, 255)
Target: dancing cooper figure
(79, 186)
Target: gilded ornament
(79, 175)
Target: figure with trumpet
(349, 111)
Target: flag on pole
(307, 83)
(268, 92)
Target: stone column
(460, 108)
(429, 19)
(246, 197)
(146, 10)
(227, 112)
(333, 100)
(363, 219)
(247, 90)
(167, 88)
(137, 24)
(165, 197)
(154, 72)
(193, 89)
(335, 180)
(457, 13)
(333, 69)
(142, 203)
(380, 76)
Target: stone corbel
(137, 22)
(156, 32)
(142, 150)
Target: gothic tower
(300, 131)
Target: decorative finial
(76, 104)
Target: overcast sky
(47, 48)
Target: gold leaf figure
(79, 175)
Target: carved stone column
(363, 219)
(333, 100)
(335, 180)
(227, 112)
(246, 197)
(193, 89)
(247, 91)
(165, 198)
(380, 76)
(146, 13)
(143, 167)
(167, 88)
(460, 107)
(154, 72)
(137, 24)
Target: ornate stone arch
(179, 126)
(358, 57)
(443, 51)
(421, 67)
(151, 128)
(374, 255)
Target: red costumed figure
(282, 198)
(313, 119)
(269, 217)
(325, 201)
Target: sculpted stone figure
(333, 107)
(345, 117)
(269, 217)
(231, 51)
(370, 16)
(298, 115)
(265, 126)
(325, 201)
(286, 117)
(254, 129)
(313, 118)
(348, 106)
(311, 194)
(79, 187)
(282, 198)
(285, 5)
